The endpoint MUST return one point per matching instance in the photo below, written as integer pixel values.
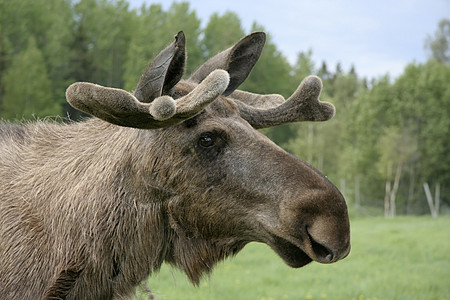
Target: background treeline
(388, 148)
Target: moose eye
(206, 140)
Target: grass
(401, 258)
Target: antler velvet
(122, 108)
(152, 106)
(270, 110)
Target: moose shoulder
(175, 172)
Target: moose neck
(110, 209)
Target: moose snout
(318, 220)
(328, 242)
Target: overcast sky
(377, 37)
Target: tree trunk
(357, 193)
(320, 162)
(342, 187)
(393, 194)
(387, 192)
(411, 189)
(437, 195)
(434, 205)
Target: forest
(387, 148)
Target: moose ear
(238, 60)
(164, 72)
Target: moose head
(226, 183)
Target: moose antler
(122, 108)
(151, 106)
(263, 111)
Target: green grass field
(402, 258)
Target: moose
(175, 172)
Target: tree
(304, 66)
(81, 65)
(424, 98)
(181, 16)
(154, 29)
(145, 43)
(49, 23)
(221, 32)
(396, 148)
(324, 73)
(439, 44)
(5, 59)
(27, 88)
(54, 39)
(361, 122)
(434, 205)
(107, 30)
(6, 50)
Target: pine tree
(27, 88)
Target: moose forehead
(222, 107)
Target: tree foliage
(221, 32)
(439, 44)
(27, 88)
(381, 123)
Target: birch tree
(396, 147)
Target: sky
(377, 37)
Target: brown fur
(88, 210)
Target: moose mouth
(292, 255)
(295, 257)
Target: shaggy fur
(89, 210)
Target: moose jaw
(174, 172)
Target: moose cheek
(210, 155)
(209, 151)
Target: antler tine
(122, 108)
(258, 100)
(302, 105)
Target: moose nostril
(322, 253)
